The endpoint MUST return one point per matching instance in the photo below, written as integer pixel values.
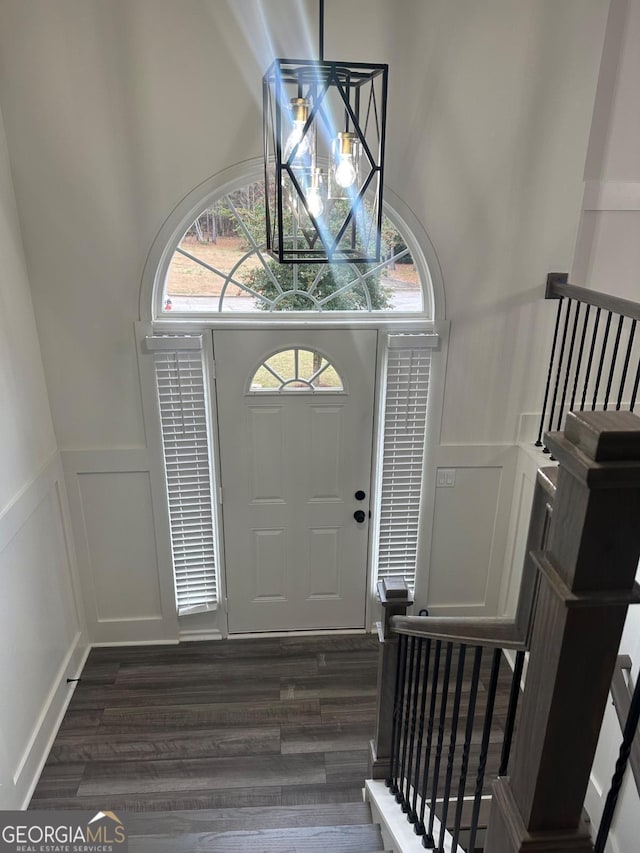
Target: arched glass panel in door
(296, 370)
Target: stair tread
(186, 821)
(353, 838)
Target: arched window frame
(204, 195)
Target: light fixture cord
(321, 33)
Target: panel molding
(501, 457)
(21, 773)
(22, 507)
(111, 628)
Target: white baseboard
(315, 633)
(108, 644)
(49, 721)
(187, 636)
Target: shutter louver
(183, 414)
(405, 420)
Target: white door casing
(291, 463)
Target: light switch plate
(446, 478)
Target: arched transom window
(296, 370)
(220, 265)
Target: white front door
(292, 461)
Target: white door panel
(291, 464)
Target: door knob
(359, 516)
(360, 495)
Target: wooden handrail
(595, 354)
(488, 631)
(559, 288)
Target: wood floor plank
(177, 693)
(326, 737)
(180, 717)
(330, 643)
(212, 673)
(207, 650)
(225, 820)
(61, 780)
(113, 778)
(357, 709)
(227, 741)
(100, 673)
(153, 803)
(82, 721)
(346, 766)
(338, 839)
(330, 686)
(336, 792)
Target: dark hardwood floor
(235, 723)
(215, 735)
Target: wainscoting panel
(469, 489)
(529, 460)
(123, 549)
(118, 522)
(40, 616)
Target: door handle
(359, 515)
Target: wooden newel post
(395, 599)
(586, 584)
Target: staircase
(324, 828)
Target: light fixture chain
(321, 32)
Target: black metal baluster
(614, 358)
(413, 814)
(412, 730)
(511, 714)
(635, 388)
(452, 746)
(429, 841)
(420, 827)
(605, 341)
(580, 351)
(621, 765)
(625, 366)
(466, 749)
(587, 375)
(406, 719)
(549, 374)
(405, 734)
(568, 367)
(397, 716)
(565, 331)
(484, 746)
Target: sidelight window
(182, 401)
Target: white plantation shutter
(405, 420)
(185, 437)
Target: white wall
(41, 642)
(133, 103)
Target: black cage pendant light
(324, 135)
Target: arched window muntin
(297, 384)
(203, 197)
